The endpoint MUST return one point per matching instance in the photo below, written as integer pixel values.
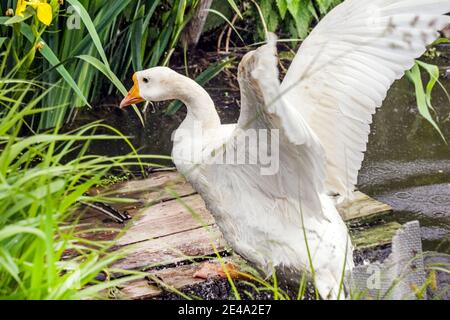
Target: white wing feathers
(343, 70)
(301, 175)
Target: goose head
(162, 84)
(155, 84)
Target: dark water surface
(407, 164)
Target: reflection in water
(407, 164)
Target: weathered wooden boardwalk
(171, 233)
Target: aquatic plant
(44, 178)
(78, 45)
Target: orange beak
(133, 96)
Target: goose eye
(145, 80)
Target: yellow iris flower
(43, 10)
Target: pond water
(407, 164)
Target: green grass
(43, 178)
(44, 173)
(115, 39)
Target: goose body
(314, 126)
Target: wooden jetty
(171, 233)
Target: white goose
(322, 109)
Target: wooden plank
(172, 249)
(362, 207)
(161, 186)
(172, 278)
(375, 236)
(182, 276)
(159, 220)
(167, 233)
(167, 218)
(174, 224)
(151, 190)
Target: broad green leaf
(99, 65)
(136, 39)
(270, 15)
(48, 54)
(324, 5)
(441, 41)
(421, 97)
(2, 40)
(91, 29)
(17, 19)
(300, 10)
(282, 7)
(433, 72)
(12, 230)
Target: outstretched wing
(342, 72)
(299, 175)
(263, 214)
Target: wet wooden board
(188, 245)
(161, 186)
(168, 280)
(177, 278)
(167, 218)
(171, 225)
(375, 236)
(362, 207)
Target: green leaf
(2, 40)
(228, 21)
(433, 71)
(102, 22)
(235, 8)
(421, 97)
(8, 264)
(214, 21)
(300, 10)
(136, 39)
(324, 5)
(38, 194)
(12, 230)
(270, 15)
(48, 54)
(84, 15)
(105, 70)
(282, 7)
(441, 41)
(17, 19)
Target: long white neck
(200, 107)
